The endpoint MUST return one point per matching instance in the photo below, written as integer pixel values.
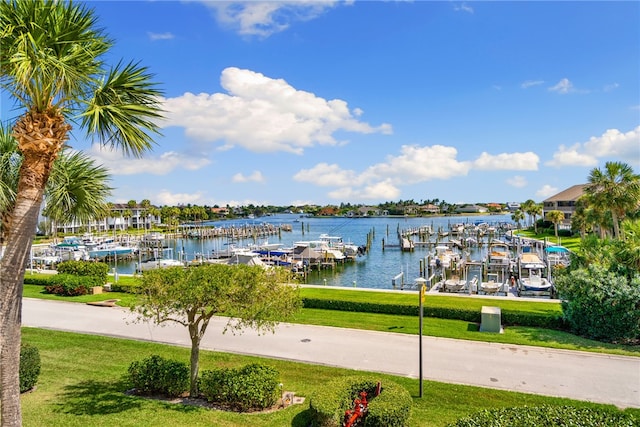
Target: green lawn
(409, 324)
(83, 383)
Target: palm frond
(77, 189)
(125, 110)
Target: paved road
(577, 375)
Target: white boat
(316, 251)
(336, 242)
(154, 263)
(493, 285)
(444, 257)
(531, 280)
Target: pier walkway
(600, 378)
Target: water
(376, 269)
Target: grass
(435, 327)
(83, 383)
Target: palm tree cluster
(611, 195)
(52, 66)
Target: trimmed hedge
(157, 375)
(70, 285)
(548, 416)
(85, 268)
(391, 408)
(29, 367)
(509, 318)
(39, 280)
(251, 387)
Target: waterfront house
(565, 202)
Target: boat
(444, 257)
(348, 249)
(316, 251)
(557, 255)
(71, 249)
(531, 280)
(494, 285)
(499, 256)
(155, 263)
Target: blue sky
(364, 102)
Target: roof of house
(571, 193)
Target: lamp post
(421, 284)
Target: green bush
(601, 305)
(252, 387)
(509, 317)
(391, 408)
(125, 287)
(548, 416)
(85, 268)
(70, 285)
(38, 280)
(156, 375)
(29, 367)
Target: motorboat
(531, 280)
(155, 263)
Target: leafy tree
(250, 296)
(556, 217)
(615, 189)
(52, 67)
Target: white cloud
(162, 164)
(160, 36)
(417, 164)
(517, 181)
(256, 176)
(530, 83)
(262, 114)
(326, 175)
(507, 161)
(546, 191)
(165, 197)
(265, 18)
(383, 190)
(463, 8)
(611, 87)
(612, 144)
(563, 87)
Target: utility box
(491, 319)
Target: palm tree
(52, 67)
(615, 189)
(556, 217)
(527, 206)
(517, 216)
(535, 211)
(76, 190)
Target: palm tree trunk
(12, 266)
(40, 137)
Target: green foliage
(548, 416)
(509, 317)
(29, 367)
(391, 408)
(85, 268)
(39, 280)
(69, 285)
(252, 387)
(157, 375)
(601, 305)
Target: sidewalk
(572, 374)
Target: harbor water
(377, 268)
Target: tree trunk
(195, 360)
(40, 137)
(12, 268)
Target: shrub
(156, 375)
(548, 416)
(70, 285)
(391, 408)
(600, 305)
(29, 367)
(85, 268)
(252, 387)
